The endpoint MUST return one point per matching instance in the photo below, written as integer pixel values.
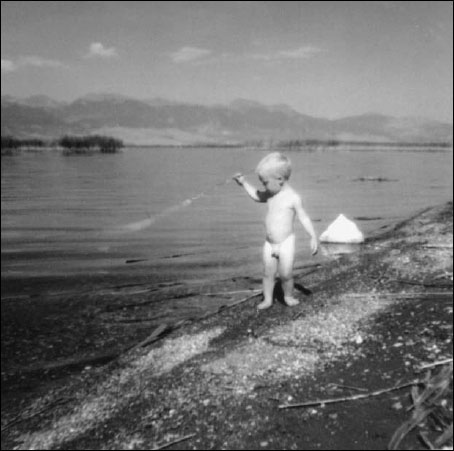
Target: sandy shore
(366, 322)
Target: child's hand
(239, 178)
(314, 245)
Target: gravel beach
(94, 372)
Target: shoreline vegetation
(68, 144)
(105, 144)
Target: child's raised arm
(254, 194)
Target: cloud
(200, 56)
(8, 66)
(97, 50)
(304, 52)
(37, 61)
(307, 51)
(29, 61)
(186, 54)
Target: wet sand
(366, 320)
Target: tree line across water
(107, 144)
(72, 144)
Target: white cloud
(97, 50)
(200, 56)
(304, 52)
(186, 54)
(307, 51)
(29, 61)
(37, 61)
(8, 66)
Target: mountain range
(159, 121)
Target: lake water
(171, 214)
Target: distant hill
(38, 101)
(160, 121)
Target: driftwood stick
(431, 365)
(234, 304)
(419, 415)
(133, 320)
(304, 274)
(230, 292)
(182, 439)
(437, 246)
(130, 305)
(149, 301)
(426, 441)
(350, 387)
(424, 284)
(423, 296)
(350, 398)
(307, 266)
(100, 358)
(447, 435)
(19, 418)
(155, 335)
(228, 306)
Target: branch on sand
(166, 445)
(431, 365)
(154, 336)
(223, 293)
(437, 246)
(78, 362)
(148, 301)
(350, 398)
(429, 283)
(427, 295)
(21, 417)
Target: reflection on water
(334, 249)
(177, 214)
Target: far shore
(292, 146)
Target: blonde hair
(275, 164)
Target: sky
(324, 59)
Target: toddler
(283, 205)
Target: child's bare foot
(264, 305)
(291, 302)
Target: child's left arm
(306, 223)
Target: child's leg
(286, 260)
(269, 276)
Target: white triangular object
(342, 230)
